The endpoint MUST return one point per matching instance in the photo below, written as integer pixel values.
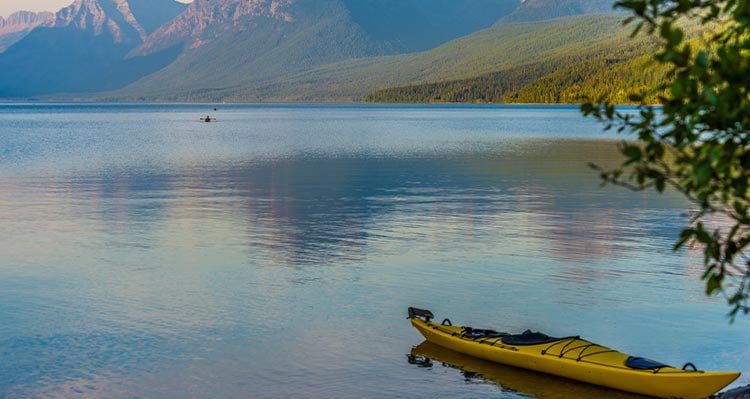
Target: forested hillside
(612, 68)
(543, 47)
(612, 71)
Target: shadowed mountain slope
(19, 24)
(419, 25)
(82, 50)
(537, 10)
(153, 14)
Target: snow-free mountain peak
(19, 24)
(23, 19)
(83, 48)
(205, 20)
(102, 16)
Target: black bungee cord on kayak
(559, 341)
(688, 364)
(586, 347)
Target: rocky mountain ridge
(83, 49)
(205, 20)
(19, 24)
(21, 20)
(99, 16)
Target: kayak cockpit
(529, 337)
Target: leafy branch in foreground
(697, 141)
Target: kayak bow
(574, 358)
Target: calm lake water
(273, 254)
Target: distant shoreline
(478, 104)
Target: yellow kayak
(574, 358)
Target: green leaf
(702, 174)
(636, 98)
(685, 236)
(633, 153)
(659, 184)
(672, 35)
(702, 59)
(713, 284)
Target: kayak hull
(581, 360)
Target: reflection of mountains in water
(321, 210)
(523, 382)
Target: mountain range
(289, 50)
(19, 24)
(83, 48)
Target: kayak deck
(578, 359)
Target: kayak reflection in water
(524, 382)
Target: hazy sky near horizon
(8, 7)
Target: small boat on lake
(575, 358)
(208, 119)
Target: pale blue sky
(8, 7)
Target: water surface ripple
(274, 253)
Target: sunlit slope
(612, 69)
(501, 47)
